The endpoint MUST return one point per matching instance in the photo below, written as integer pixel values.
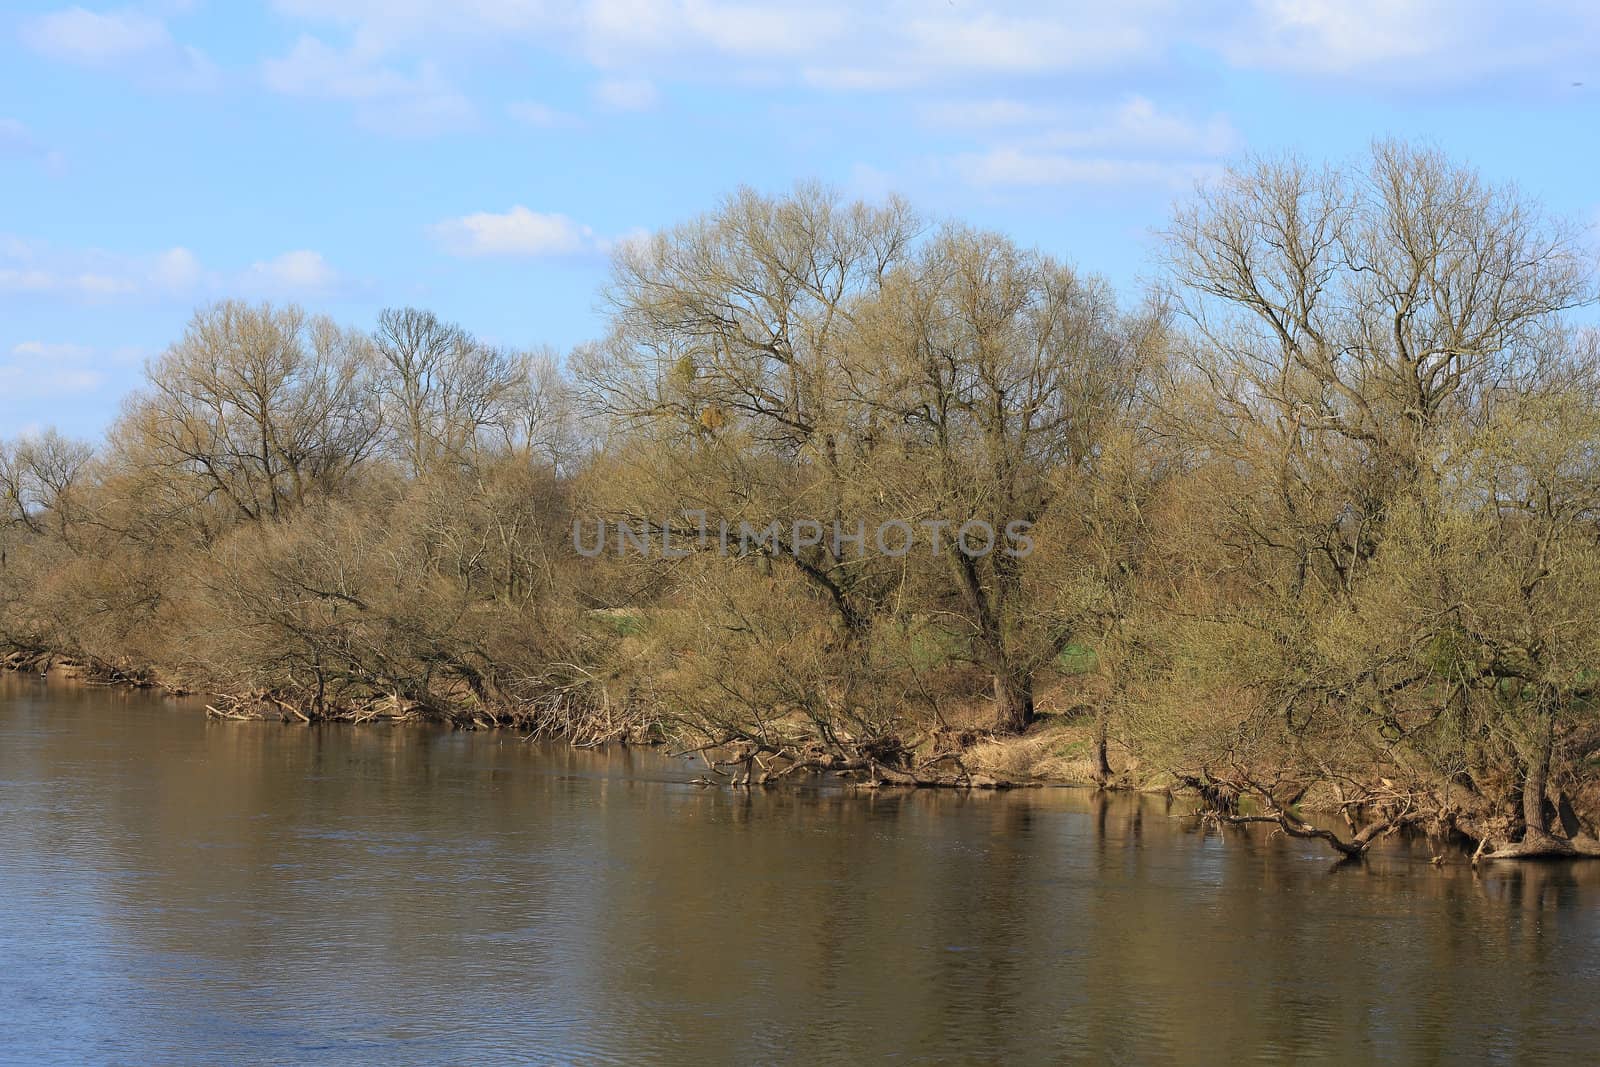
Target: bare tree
(443, 390)
(260, 406)
(39, 479)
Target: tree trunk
(1102, 765)
(1013, 698)
(1533, 785)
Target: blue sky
(479, 157)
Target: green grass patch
(1077, 659)
(620, 622)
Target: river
(176, 890)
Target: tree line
(1316, 520)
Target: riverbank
(1058, 750)
(549, 718)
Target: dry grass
(1056, 750)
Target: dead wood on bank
(1381, 811)
(868, 763)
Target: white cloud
(386, 99)
(618, 33)
(52, 368)
(1429, 44)
(1139, 124)
(386, 24)
(41, 280)
(1086, 39)
(18, 141)
(1332, 36)
(41, 368)
(962, 45)
(31, 268)
(1131, 143)
(34, 381)
(46, 350)
(1136, 123)
(1021, 167)
(626, 94)
(985, 114)
(176, 269)
(23, 280)
(95, 39)
(764, 31)
(302, 270)
(864, 45)
(541, 116)
(518, 232)
(126, 40)
(612, 33)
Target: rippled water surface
(174, 890)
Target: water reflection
(180, 890)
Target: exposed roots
(1535, 846)
(869, 763)
(559, 716)
(1378, 811)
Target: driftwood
(1356, 846)
(1222, 796)
(869, 764)
(213, 712)
(1394, 809)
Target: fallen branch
(1355, 847)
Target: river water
(174, 890)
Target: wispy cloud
(126, 41)
(1134, 142)
(1020, 167)
(1138, 124)
(1085, 39)
(626, 94)
(87, 283)
(17, 141)
(21, 380)
(1342, 36)
(915, 45)
(985, 114)
(542, 116)
(386, 99)
(45, 368)
(33, 268)
(45, 350)
(1135, 123)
